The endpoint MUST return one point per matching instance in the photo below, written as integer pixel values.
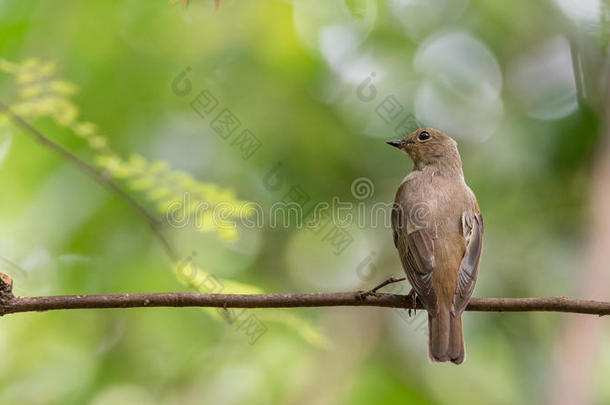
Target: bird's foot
(413, 295)
(373, 291)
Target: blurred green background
(517, 84)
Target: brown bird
(438, 231)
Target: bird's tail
(445, 337)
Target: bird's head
(428, 146)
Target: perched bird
(438, 231)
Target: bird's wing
(472, 228)
(416, 249)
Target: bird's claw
(413, 295)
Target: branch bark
(10, 304)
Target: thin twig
(389, 281)
(154, 223)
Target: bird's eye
(423, 135)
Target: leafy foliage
(41, 94)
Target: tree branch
(10, 304)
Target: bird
(438, 232)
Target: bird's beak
(397, 143)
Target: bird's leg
(373, 291)
(413, 295)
